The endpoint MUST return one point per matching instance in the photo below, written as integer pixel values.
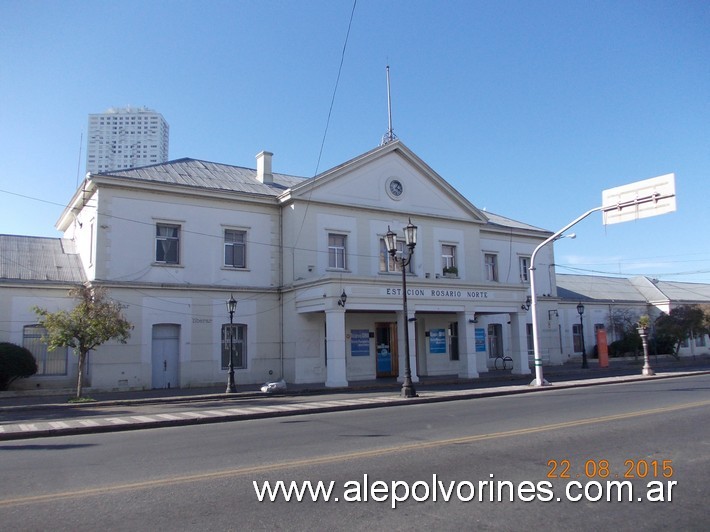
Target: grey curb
(21, 431)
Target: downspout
(281, 286)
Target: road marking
(237, 410)
(117, 420)
(355, 455)
(168, 416)
(59, 425)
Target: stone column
(519, 336)
(336, 371)
(468, 358)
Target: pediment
(390, 178)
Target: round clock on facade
(394, 188)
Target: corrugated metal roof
(497, 219)
(32, 258)
(208, 175)
(680, 292)
(597, 288)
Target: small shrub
(16, 362)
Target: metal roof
(684, 292)
(207, 175)
(634, 289)
(597, 288)
(497, 219)
(32, 258)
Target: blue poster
(384, 359)
(360, 343)
(480, 340)
(437, 341)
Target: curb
(28, 430)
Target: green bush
(629, 345)
(664, 345)
(15, 362)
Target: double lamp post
(410, 239)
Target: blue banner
(360, 343)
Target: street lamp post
(643, 333)
(580, 309)
(410, 239)
(231, 307)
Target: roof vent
(263, 167)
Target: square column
(468, 358)
(336, 371)
(519, 337)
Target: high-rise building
(126, 138)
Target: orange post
(602, 349)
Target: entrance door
(386, 344)
(165, 355)
(495, 340)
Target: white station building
(319, 300)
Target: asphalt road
(542, 447)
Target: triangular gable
(366, 182)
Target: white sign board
(641, 199)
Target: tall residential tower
(126, 138)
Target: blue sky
(529, 108)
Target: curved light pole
(410, 239)
(231, 307)
(580, 310)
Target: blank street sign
(641, 199)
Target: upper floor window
(336, 251)
(167, 244)
(387, 263)
(491, 263)
(525, 269)
(448, 259)
(235, 248)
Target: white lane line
(168, 416)
(143, 419)
(117, 420)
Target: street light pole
(647, 371)
(580, 310)
(231, 307)
(539, 380)
(410, 237)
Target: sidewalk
(33, 417)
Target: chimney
(263, 167)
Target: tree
(685, 321)
(16, 362)
(96, 319)
(622, 322)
